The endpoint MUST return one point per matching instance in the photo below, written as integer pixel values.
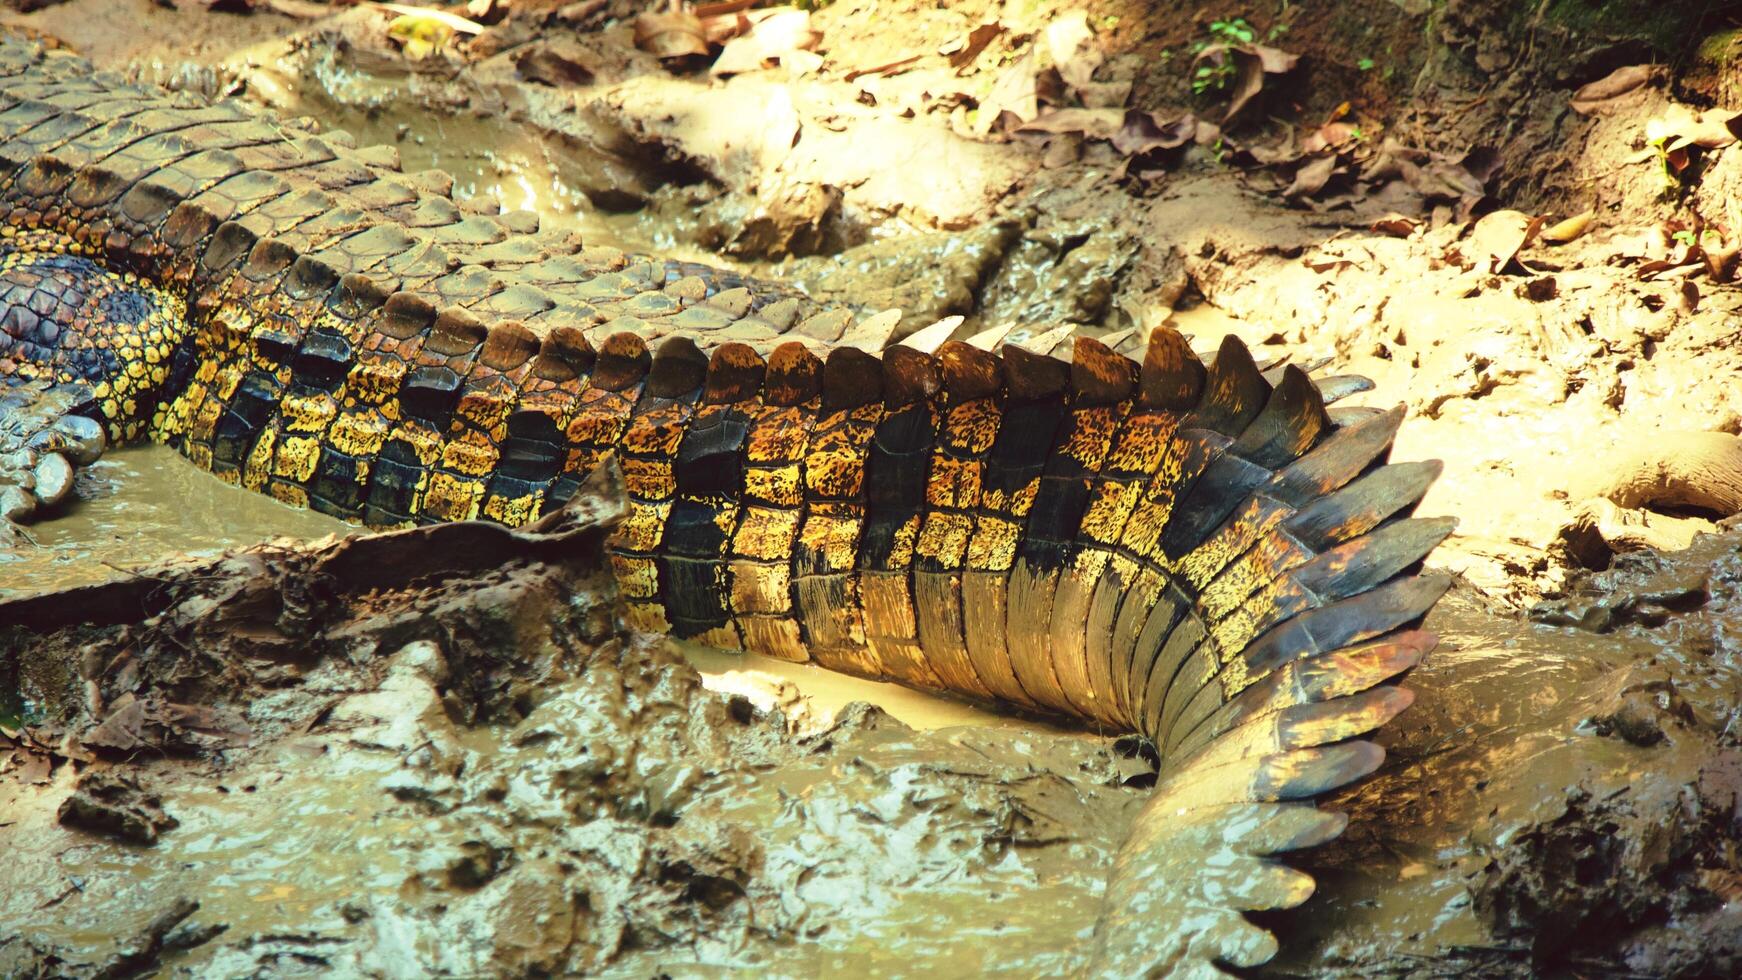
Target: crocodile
(1208, 554)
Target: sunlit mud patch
(1557, 798)
(313, 758)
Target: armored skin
(1203, 554)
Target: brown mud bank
(468, 769)
(435, 750)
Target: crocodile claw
(42, 442)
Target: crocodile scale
(1204, 554)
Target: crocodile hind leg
(85, 355)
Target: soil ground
(1376, 205)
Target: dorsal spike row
(1234, 390)
(1099, 376)
(735, 373)
(622, 362)
(1172, 377)
(926, 339)
(563, 355)
(909, 377)
(989, 339)
(456, 331)
(851, 378)
(1033, 377)
(508, 345)
(968, 372)
(795, 375)
(679, 367)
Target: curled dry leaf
(454, 22)
(1396, 225)
(1606, 93)
(1312, 177)
(1140, 132)
(1711, 130)
(1251, 63)
(963, 51)
(672, 34)
(1568, 229)
(1102, 124)
(1330, 136)
(1496, 240)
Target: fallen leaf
(1603, 93)
(888, 68)
(673, 34)
(719, 29)
(419, 36)
(1496, 240)
(1396, 225)
(1568, 229)
(1251, 63)
(1016, 91)
(1311, 177)
(1141, 132)
(769, 39)
(963, 51)
(1094, 123)
(302, 9)
(1328, 265)
(1073, 49)
(1330, 136)
(1721, 263)
(453, 22)
(123, 728)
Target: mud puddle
(143, 504)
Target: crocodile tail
(1265, 633)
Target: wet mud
(245, 758)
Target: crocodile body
(1206, 555)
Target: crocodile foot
(43, 440)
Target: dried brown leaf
(1330, 136)
(1606, 92)
(963, 51)
(304, 9)
(1252, 62)
(1496, 240)
(1311, 177)
(1016, 91)
(673, 34)
(1094, 123)
(123, 728)
(1140, 132)
(1396, 225)
(888, 68)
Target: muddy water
(144, 504)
